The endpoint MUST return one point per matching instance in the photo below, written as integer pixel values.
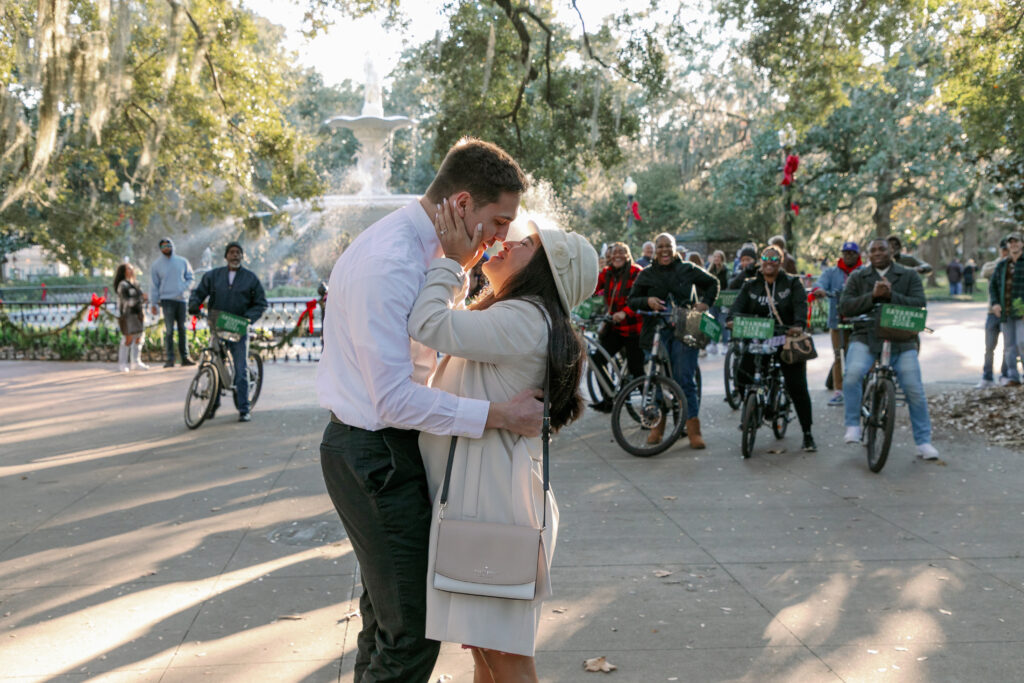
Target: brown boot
(693, 431)
(657, 432)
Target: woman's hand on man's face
(455, 241)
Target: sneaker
(185, 363)
(985, 384)
(245, 417)
(723, 348)
(926, 451)
(837, 399)
(809, 444)
(169, 364)
(1007, 382)
(852, 435)
(713, 349)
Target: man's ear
(460, 201)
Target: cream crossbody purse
(491, 559)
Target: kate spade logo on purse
(485, 572)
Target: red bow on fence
(792, 163)
(636, 211)
(97, 303)
(308, 314)
(795, 208)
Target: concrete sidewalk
(134, 549)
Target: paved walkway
(134, 549)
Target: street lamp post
(787, 140)
(629, 189)
(127, 197)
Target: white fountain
(373, 133)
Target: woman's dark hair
(120, 275)
(619, 275)
(536, 284)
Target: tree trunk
(882, 216)
(931, 253)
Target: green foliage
(543, 113)
(893, 143)
(186, 103)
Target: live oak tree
(183, 100)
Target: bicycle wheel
(732, 392)
(255, 373)
(200, 396)
(654, 400)
(781, 406)
(879, 425)
(749, 423)
(601, 387)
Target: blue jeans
(859, 360)
(956, 288)
(174, 314)
(991, 340)
(720, 313)
(684, 371)
(1013, 346)
(240, 355)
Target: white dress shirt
(371, 375)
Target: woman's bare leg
(481, 672)
(507, 668)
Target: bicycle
(765, 398)
(600, 385)
(878, 402)
(649, 400)
(216, 373)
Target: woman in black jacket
(670, 281)
(790, 299)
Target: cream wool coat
(494, 354)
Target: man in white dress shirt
(373, 379)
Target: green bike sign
(907, 318)
(749, 327)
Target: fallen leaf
(776, 451)
(946, 612)
(290, 617)
(214, 509)
(559, 610)
(661, 573)
(349, 615)
(598, 664)
(669, 498)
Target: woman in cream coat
(495, 350)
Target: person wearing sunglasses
(789, 297)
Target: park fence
(85, 328)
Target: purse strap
(545, 437)
(771, 303)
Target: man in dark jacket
(233, 289)
(1006, 297)
(670, 281)
(884, 281)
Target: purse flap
(487, 552)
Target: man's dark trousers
(174, 314)
(379, 488)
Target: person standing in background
(970, 268)
(646, 255)
(172, 279)
(955, 274)
(130, 318)
(830, 285)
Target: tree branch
(590, 49)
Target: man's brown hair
(481, 168)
